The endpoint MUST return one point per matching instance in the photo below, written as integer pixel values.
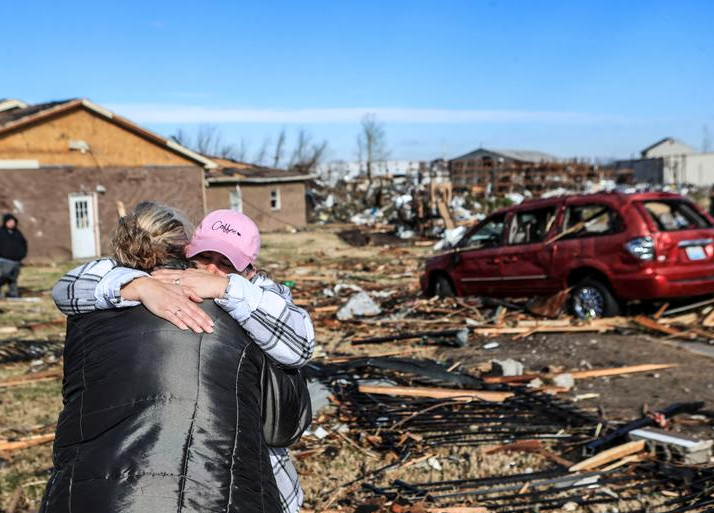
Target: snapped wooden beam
(437, 393)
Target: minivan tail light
(642, 248)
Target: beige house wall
(256, 203)
(110, 145)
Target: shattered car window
(671, 216)
(591, 220)
(531, 226)
(489, 234)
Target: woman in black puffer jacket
(159, 420)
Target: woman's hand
(202, 282)
(171, 302)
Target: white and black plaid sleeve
(266, 311)
(74, 293)
(95, 285)
(287, 480)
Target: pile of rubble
(403, 413)
(411, 210)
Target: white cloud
(153, 113)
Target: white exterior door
(83, 225)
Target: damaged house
(64, 166)
(67, 166)
(274, 198)
(500, 172)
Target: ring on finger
(178, 311)
(177, 281)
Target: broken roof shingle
(16, 114)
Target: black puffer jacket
(159, 420)
(13, 245)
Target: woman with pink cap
(223, 249)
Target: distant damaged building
(501, 172)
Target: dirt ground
(619, 397)
(315, 261)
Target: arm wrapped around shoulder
(286, 407)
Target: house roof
(10, 103)
(517, 155)
(232, 171)
(18, 118)
(663, 141)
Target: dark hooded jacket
(13, 245)
(159, 420)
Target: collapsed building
(499, 172)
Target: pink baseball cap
(230, 233)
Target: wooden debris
(23, 443)
(653, 325)
(610, 455)
(437, 393)
(624, 461)
(587, 374)
(35, 377)
(550, 306)
(43, 325)
(708, 321)
(661, 310)
(617, 371)
(15, 500)
(8, 329)
(545, 328)
(445, 214)
(326, 309)
(400, 352)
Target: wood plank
(401, 352)
(708, 321)
(31, 378)
(437, 393)
(445, 214)
(543, 328)
(653, 325)
(617, 371)
(684, 319)
(326, 309)
(22, 443)
(610, 455)
(661, 310)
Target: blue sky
(573, 78)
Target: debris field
(456, 404)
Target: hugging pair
(160, 417)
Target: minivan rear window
(670, 216)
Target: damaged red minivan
(608, 248)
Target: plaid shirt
(263, 307)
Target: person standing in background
(13, 249)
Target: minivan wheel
(591, 299)
(442, 287)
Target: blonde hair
(151, 236)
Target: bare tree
(208, 141)
(262, 153)
(279, 148)
(372, 143)
(242, 151)
(306, 155)
(182, 137)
